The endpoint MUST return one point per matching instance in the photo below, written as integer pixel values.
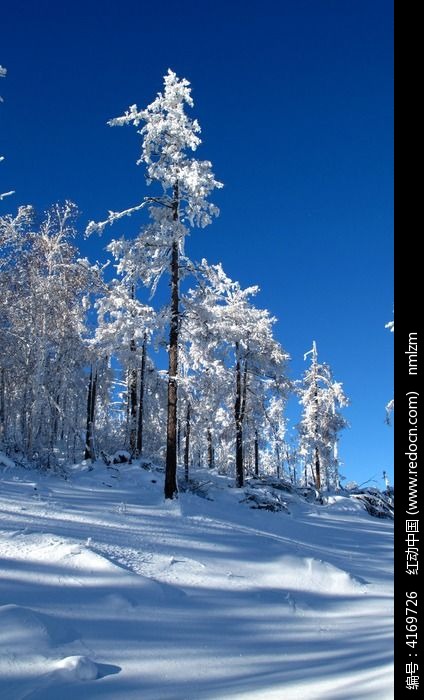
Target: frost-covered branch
(99, 226)
(389, 410)
(6, 194)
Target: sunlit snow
(107, 591)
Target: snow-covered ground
(107, 591)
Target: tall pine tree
(168, 136)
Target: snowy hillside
(107, 591)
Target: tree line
(79, 368)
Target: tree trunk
(93, 414)
(91, 403)
(210, 449)
(187, 443)
(239, 456)
(62, 425)
(132, 388)
(171, 428)
(316, 459)
(317, 470)
(239, 426)
(88, 422)
(141, 399)
(179, 440)
(256, 454)
(239, 411)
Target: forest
(91, 364)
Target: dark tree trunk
(256, 454)
(141, 399)
(132, 392)
(93, 415)
(87, 454)
(62, 427)
(239, 434)
(91, 403)
(316, 456)
(132, 386)
(179, 440)
(187, 443)
(210, 449)
(171, 428)
(277, 452)
(239, 410)
(239, 457)
(317, 470)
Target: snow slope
(106, 591)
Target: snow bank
(23, 630)
(79, 668)
(312, 575)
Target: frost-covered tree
(168, 136)
(321, 422)
(43, 305)
(240, 345)
(274, 435)
(124, 330)
(14, 246)
(204, 382)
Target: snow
(77, 668)
(5, 461)
(107, 591)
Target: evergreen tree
(168, 135)
(321, 422)
(235, 340)
(44, 289)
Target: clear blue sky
(295, 102)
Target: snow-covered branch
(6, 194)
(99, 226)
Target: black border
(407, 320)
